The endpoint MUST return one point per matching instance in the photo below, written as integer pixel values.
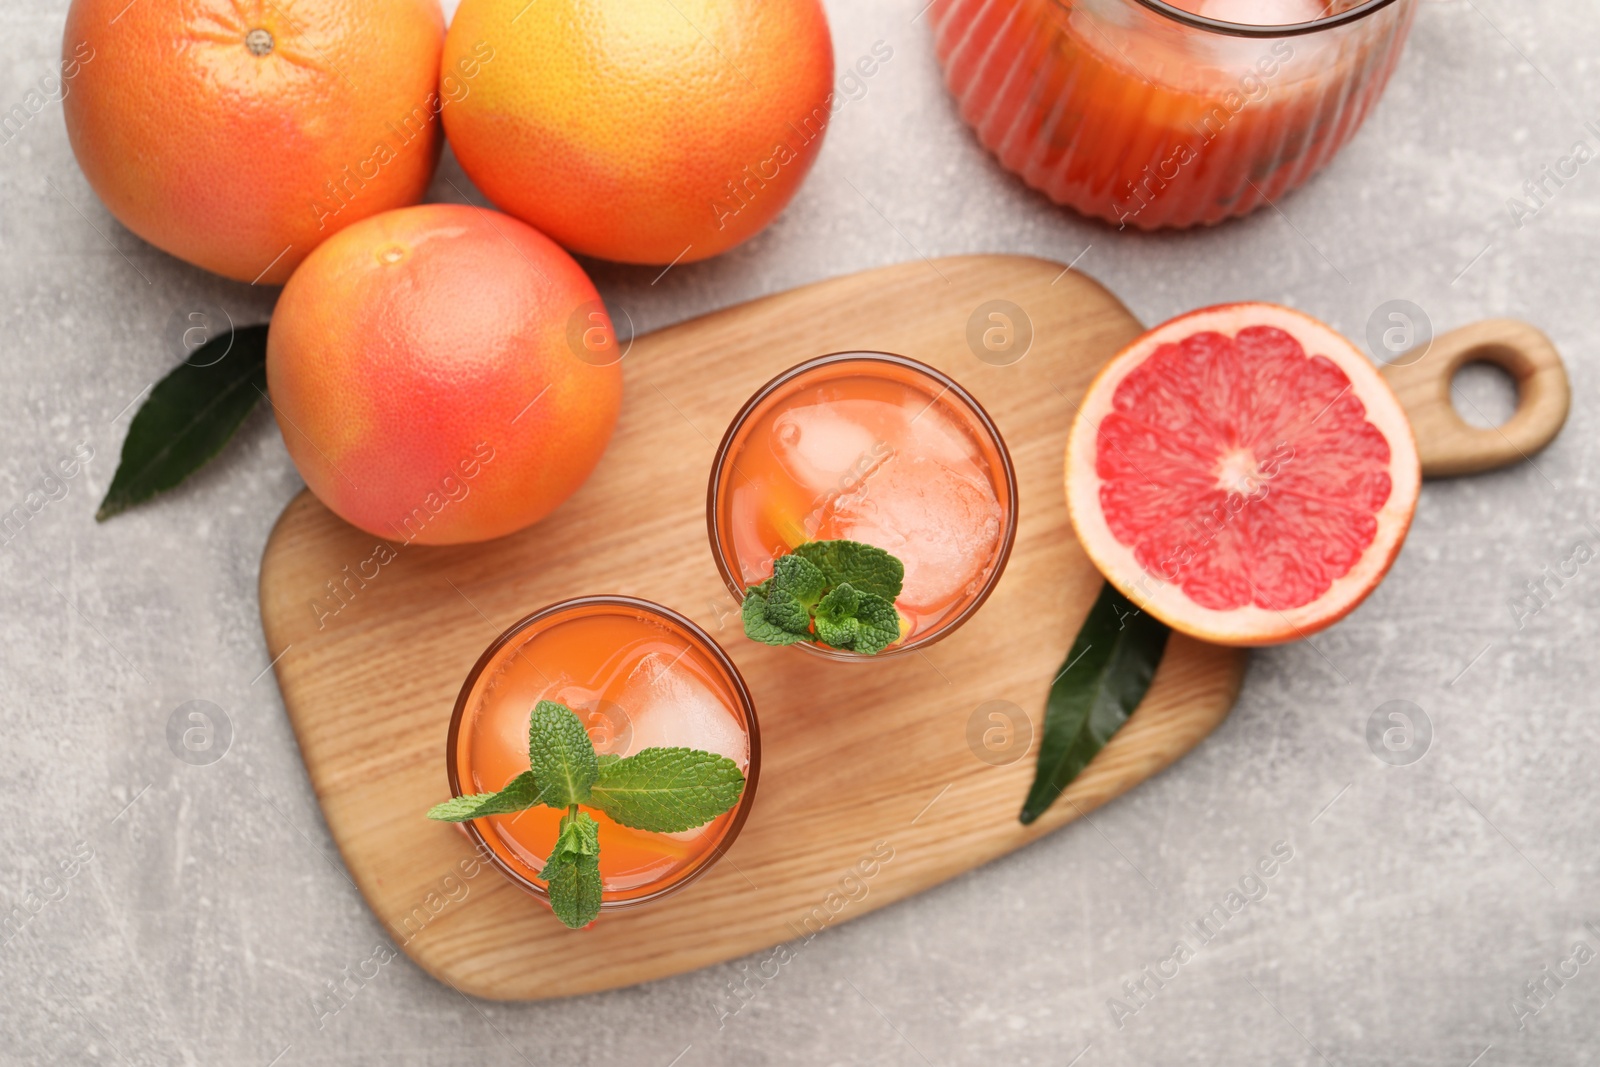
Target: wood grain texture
(854, 754)
(1448, 445)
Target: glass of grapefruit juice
(876, 448)
(638, 676)
(1148, 113)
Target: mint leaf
(840, 603)
(778, 611)
(868, 568)
(838, 633)
(519, 793)
(836, 617)
(862, 622)
(575, 890)
(561, 755)
(757, 627)
(878, 624)
(572, 873)
(579, 836)
(189, 417)
(786, 612)
(800, 578)
(667, 790)
(1107, 672)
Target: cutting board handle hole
(1452, 437)
(1484, 394)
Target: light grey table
(212, 914)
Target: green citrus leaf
(188, 417)
(1106, 674)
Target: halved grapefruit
(1243, 473)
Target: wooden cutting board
(881, 767)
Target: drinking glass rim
(752, 773)
(1247, 29)
(948, 385)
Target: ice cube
(942, 522)
(821, 445)
(672, 708)
(935, 433)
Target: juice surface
(636, 682)
(875, 456)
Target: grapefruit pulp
(1243, 473)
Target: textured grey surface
(1420, 899)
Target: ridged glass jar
(1145, 114)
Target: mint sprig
(840, 593)
(660, 790)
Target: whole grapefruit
(239, 134)
(637, 130)
(442, 373)
(1243, 473)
